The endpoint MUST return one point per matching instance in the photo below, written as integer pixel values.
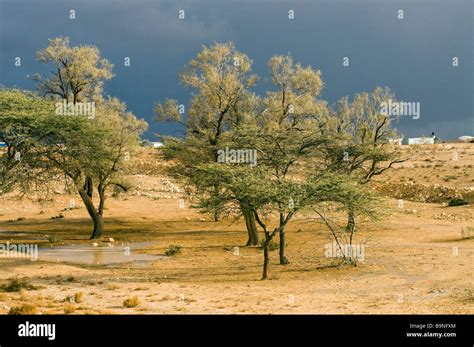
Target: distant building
(466, 138)
(421, 141)
(396, 141)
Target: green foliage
(301, 143)
(16, 285)
(457, 202)
(78, 72)
(172, 250)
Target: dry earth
(418, 259)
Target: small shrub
(76, 298)
(69, 309)
(53, 239)
(131, 302)
(172, 250)
(22, 310)
(457, 202)
(79, 297)
(15, 285)
(449, 178)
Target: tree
(260, 191)
(72, 147)
(20, 115)
(220, 78)
(78, 72)
(364, 133)
(78, 76)
(362, 203)
(291, 117)
(107, 162)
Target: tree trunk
(266, 257)
(251, 228)
(283, 260)
(350, 228)
(89, 186)
(98, 228)
(93, 213)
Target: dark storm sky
(412, 56)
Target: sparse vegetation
(457, 202)
(17, 284)
(78, 297)
(172, 250)
(131, 302)
(69, 309)
(319, 168)
(23, 310)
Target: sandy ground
(417, 259)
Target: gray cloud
(412, 56)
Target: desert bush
(457, 202)
(22, 310)
(172, 250)
(131, 302)
(79, 297)
(15, 285)
(69, 309)
(76, 298)
(53, 239)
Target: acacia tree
(20, 113)
(364, 133)
(290, 120)
(71, 147)
(78, 75)
(220, 78)
(270, 197)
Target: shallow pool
(103, 254)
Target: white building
(466, 138)
(421, 141)
(396, 141)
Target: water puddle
(7, 234)
(102, 254)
